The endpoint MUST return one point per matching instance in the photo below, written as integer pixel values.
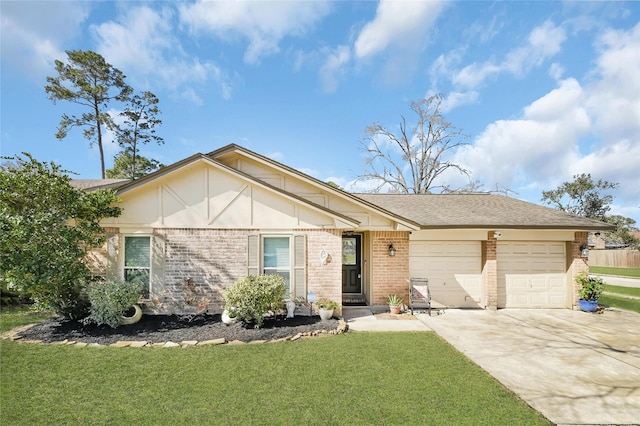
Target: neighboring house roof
(479, 211)
(93, 184)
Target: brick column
(490, 271)
(389, 274)
(577, 264)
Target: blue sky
(544, 90)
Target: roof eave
(521, 227)
(337, 191)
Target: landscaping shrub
(252, 297)
(46, 229)
(110, 299)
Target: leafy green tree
(89, 81)
(141, 118)
(583, 197)
(124, 168)
(411, 160)
(624, 227)
(46, 229)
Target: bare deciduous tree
(412, 160)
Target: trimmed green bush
(252, 297)
(110, 299)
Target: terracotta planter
(394, 309)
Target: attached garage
(454, 270)
(532, 274)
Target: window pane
(137, 251)
(139, 275)
(276, 252)
(349, 251)
(276, 258)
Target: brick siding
(578, 264)
(213, 259)
(324, 280)
(389, 274)
(490, 271)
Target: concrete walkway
(573, 367)
(372, 319)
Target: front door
(351, 264)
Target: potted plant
(590, 290)
(395, 303)
(326, 308)
(229, 315)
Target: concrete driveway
(573, 367)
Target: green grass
(16, 315)
(355, 378)
(620, 302)
(630, 291)
(623, 272)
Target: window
(137, 261)
(277, 258)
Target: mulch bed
(172, 328)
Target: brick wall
(213, 259)
(577, 264)
(97, 259)
(389, 274)
(490, 271)
(325, 280)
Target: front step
(353, 300)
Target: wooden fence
(615, 258)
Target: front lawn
(620, 302)
(355, 378)
(619, 299)
(618, 289)
(623, 272)
(16, 315)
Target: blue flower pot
(588, 305)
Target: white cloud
(399, 24)
(556, 71)
(589, 128)
(141, 42)
(535, 149)
(263, 24)
(445, 65)
(615, 99)
(334, 67)
(543, 42)
(33, 32)
(456, 99)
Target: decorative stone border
(13, 336)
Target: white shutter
(156, 283)
(253, 252)
(114, 269)
(299, 284)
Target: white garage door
(532, 274)
(453, 268)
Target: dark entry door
(351, 264)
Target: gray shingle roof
(479, 211)
(93, 184)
